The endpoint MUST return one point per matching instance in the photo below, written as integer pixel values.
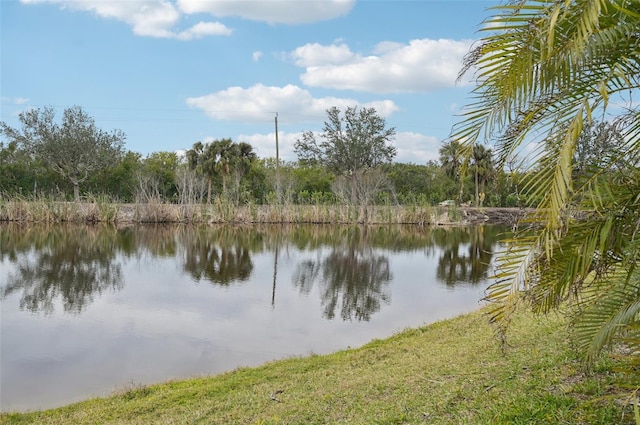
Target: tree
(351, 143)
(450, 158)
(241, 161)
(482, 162)
(17, 169)
(312, 179)
(415, 183)
(221, 158)
(202, 158)
(598, 143)
(158, 173)
(451, 161)
(75, 149)
(546, 70)
(190, 186)
(118, 181)
(258, 181)
(225, 153)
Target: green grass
(451, 372)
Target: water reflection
(72, 264)
(354, 278)
(219, 256)
(350, 268)
(151, 303)
(466, 253)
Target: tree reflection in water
(71, 263)
(354, 279)
(220, 255)
(466, 253)
(352, 273)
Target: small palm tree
(545, 70)
(202, 158)
(482, 162)
(225, 152)
(451, 157)
(244, 157)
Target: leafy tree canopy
(221, 158)
(349, 142)
(75, 148)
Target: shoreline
(437, 373)
(18, 211)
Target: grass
(101, 209)
(450, 372)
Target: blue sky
(171, 73)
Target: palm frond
(543, 69)
(613, 307)
(573, 263)
(516, 269)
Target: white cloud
(15, 100)
(416, 148)
(315, 54)
(419, 66)
(260, 103)
(265, 144)
(387, 46)
(202, 29)
(271, 11)
(151, 18)
(412, 147)
(158, 18)
(256, 56)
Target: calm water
(89, 310)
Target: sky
(170, 73)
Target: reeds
(102, 209)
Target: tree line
(350, 161)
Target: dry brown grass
(220, 212)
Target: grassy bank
(451, 372)
(45, 211)
(94, 211)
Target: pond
(88, 310)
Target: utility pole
(275, 274)
(278, 187)
(277, 147)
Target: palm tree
(202, 158)
(225, 153)
(450, 158)
(482, 162)
(545, 69)
(451, 161)
(244, 156)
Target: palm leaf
(610, 312)
(543, 69)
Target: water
(88, 310)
